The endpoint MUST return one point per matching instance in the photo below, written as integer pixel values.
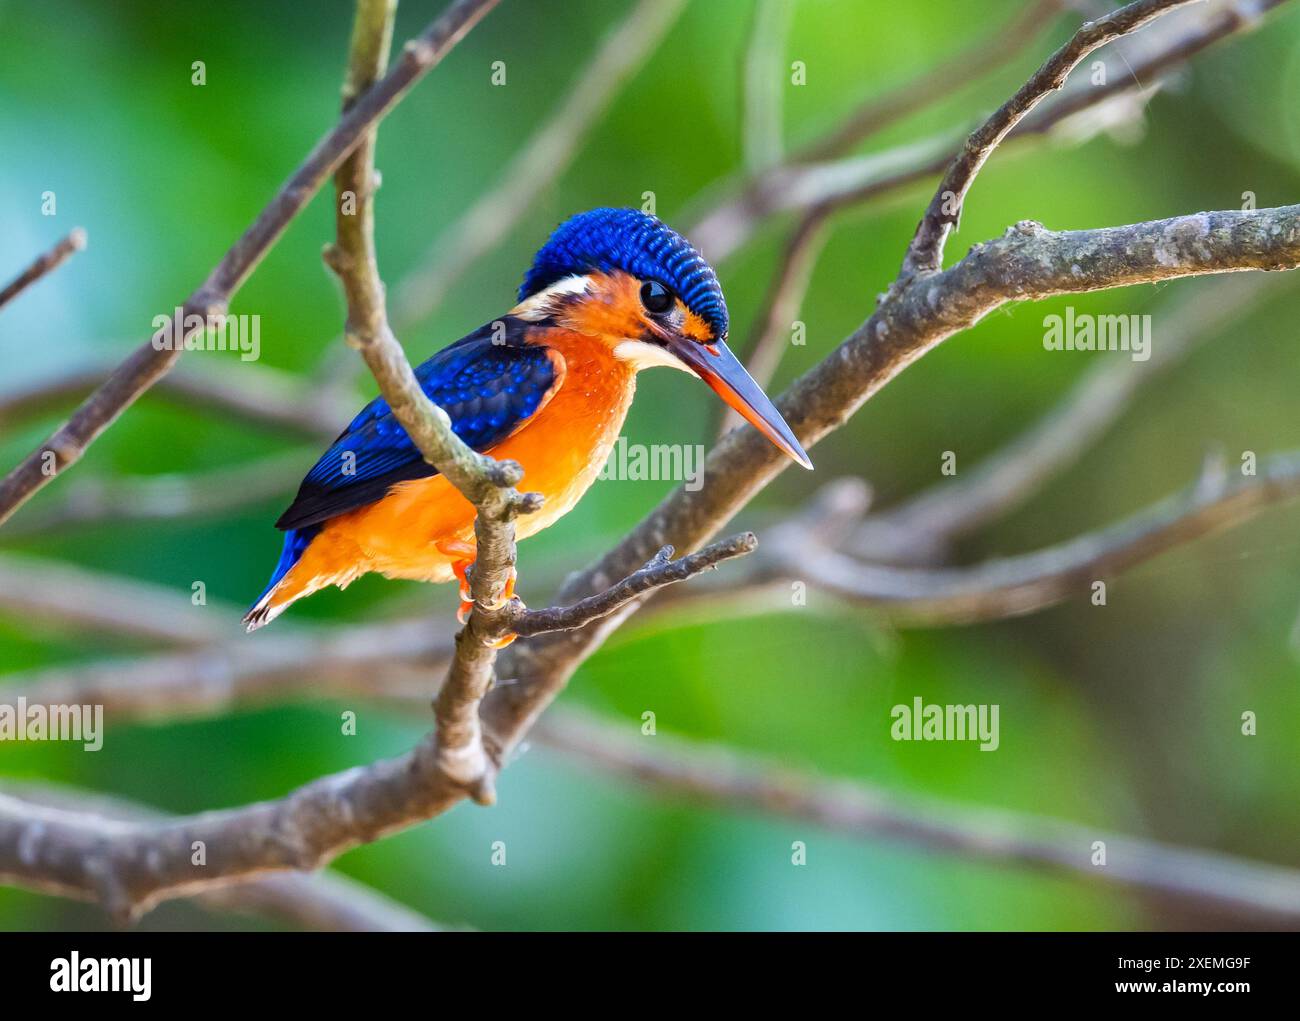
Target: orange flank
(561, 449)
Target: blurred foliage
(1125, 717)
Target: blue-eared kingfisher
(548, 385)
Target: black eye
(656, 298)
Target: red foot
(462, 554)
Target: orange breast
(561, 449)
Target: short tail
(271, 603)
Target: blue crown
(636, 243)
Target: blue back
(487, 389)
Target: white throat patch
(641, 355)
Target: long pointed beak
(719, 368)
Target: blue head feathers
(636, 243)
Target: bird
(612, 292)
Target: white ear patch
(645, 356)
(539, 305)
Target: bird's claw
(503, 641)
(467, 601)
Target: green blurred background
(1126, 718)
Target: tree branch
(485, 482)
(326, 902)
(209, 302)
(43, 264)
(659, 571)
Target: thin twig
(658, 572)
(1016, 585)
(208, 303)
(44, 264)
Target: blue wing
(489, 383)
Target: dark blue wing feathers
(489, 383)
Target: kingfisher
(612, 292)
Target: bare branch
(485, 482)
(925, 254)
(659, 571)
(151, 360)
(1189, 33)
(130, 866)
(43, 264)
(1259, 892)
(327, 902)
